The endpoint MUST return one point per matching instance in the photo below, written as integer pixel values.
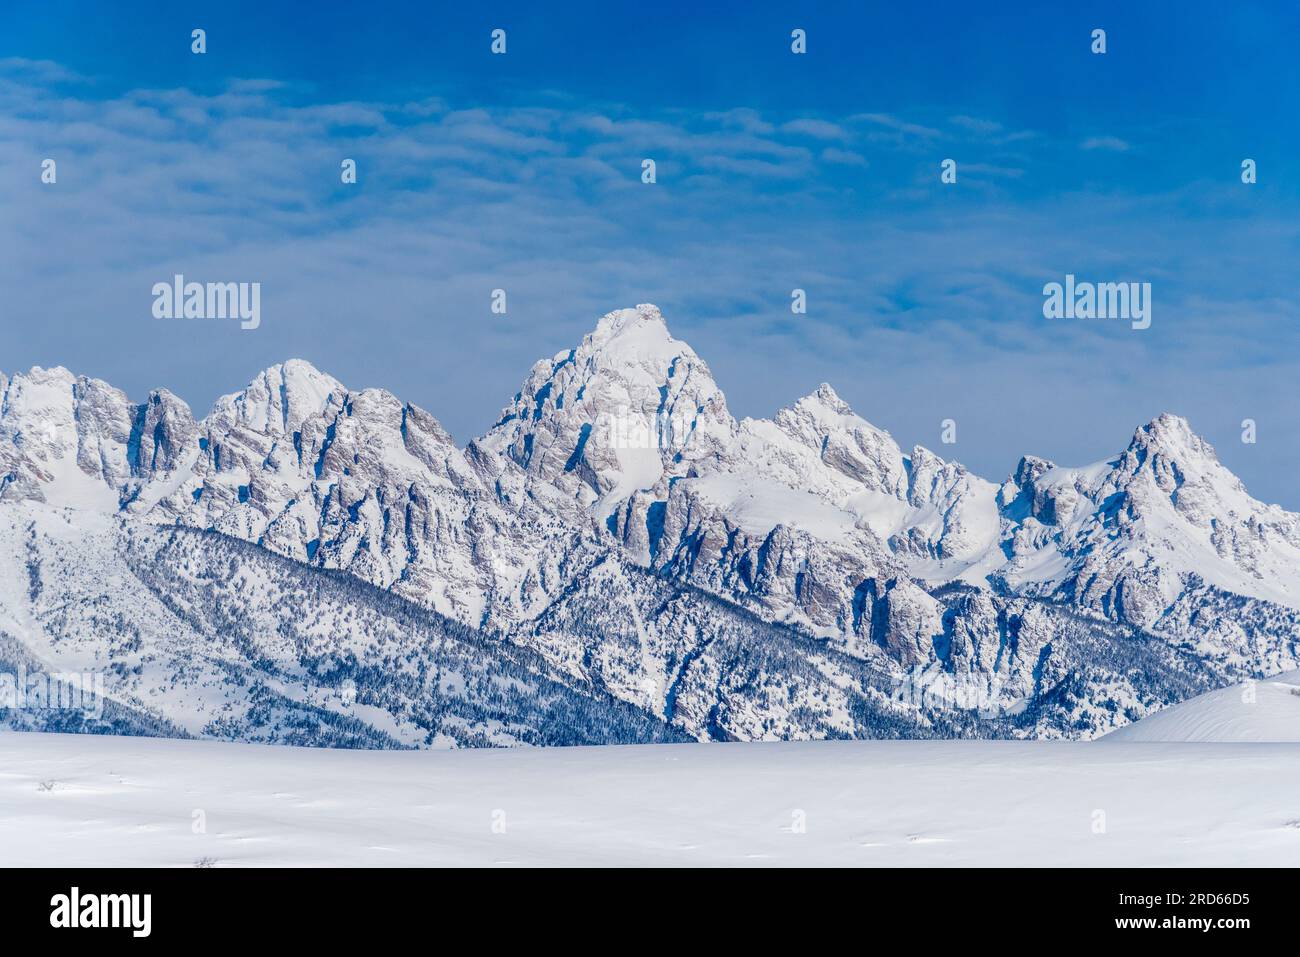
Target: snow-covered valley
(80, 800)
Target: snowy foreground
(69, 800)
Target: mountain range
(616, 559)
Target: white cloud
(895, 124)
(751, 121)
(1111, 144)
(843, 157)
(976, 125)
(818, 129)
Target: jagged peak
(826, 396)
(42, 374)
(290, 373)
(280, 396)
(1172, 435)
(58, 384)
(294, 369)
(165, 396)
(632, 337)
(630, 355)
(299, 366)
(1029, 468)
(831, 413)
(818, 404)
(643, 317)
(921, 457)
(1166, 425)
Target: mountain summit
(628, 409)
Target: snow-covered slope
(1074, 599)
(1255, 711)
(68, 801)
(197, 634)
(194, 633)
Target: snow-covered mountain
(1162, 537)
(1255, 711)
(802, 576)
(195, 634)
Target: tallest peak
(637, 336)
(644, 318)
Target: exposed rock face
(621, 453)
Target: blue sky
(775, 171)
